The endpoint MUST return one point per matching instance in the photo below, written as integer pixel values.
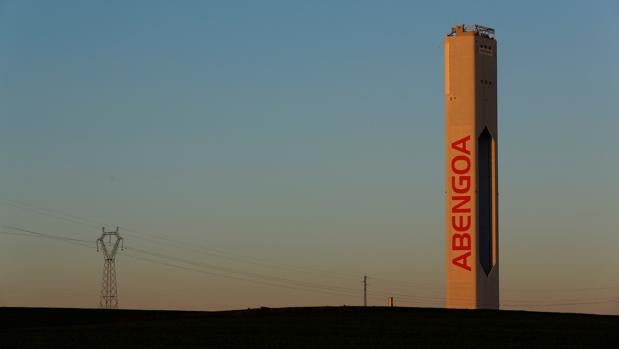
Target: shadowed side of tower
(471, 168)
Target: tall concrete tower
(471, 168)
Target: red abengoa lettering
(462, 261)
(460, 145)
(461, 241)
(462, 186)
(461, 203)
(461, 164)
(461, 223)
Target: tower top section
(479, 30)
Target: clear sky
(279, 150)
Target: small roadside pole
(390, 302)
(365, 290)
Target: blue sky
(305, 134)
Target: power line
(180, 267)
(270, 280)
(63, 216)
(251, 260)
(606, 301)
(333, 289)
(280, 282)
(243, 273)
(30, 233)
(277, 282)
(208, 251)
(190, 247)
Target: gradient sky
(297, 141)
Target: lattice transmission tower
(109, 289)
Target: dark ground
(326, 327)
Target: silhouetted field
(322, 327)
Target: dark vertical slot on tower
(484, 201)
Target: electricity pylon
(109, 290)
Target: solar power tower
(471, 168)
